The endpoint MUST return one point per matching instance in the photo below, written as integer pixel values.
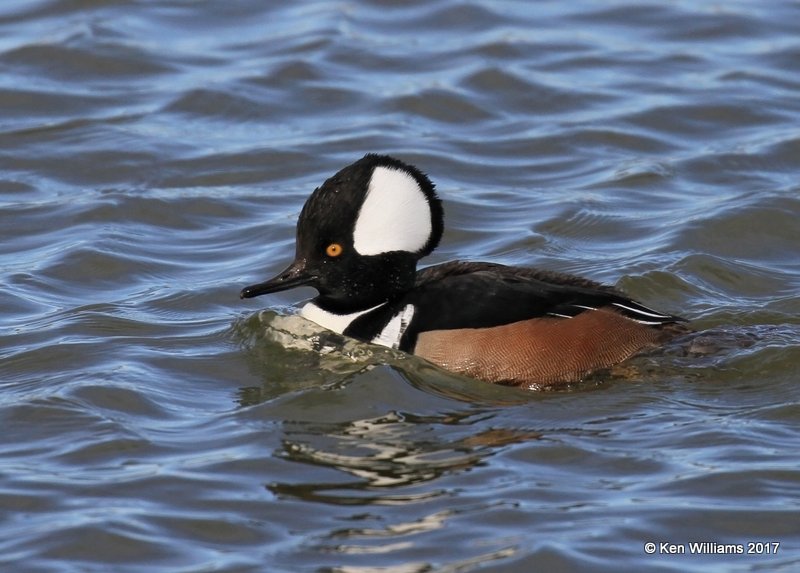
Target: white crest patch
(395, 215)
(392, 333)
(331, 320)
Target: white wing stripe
(651, 314)
(559, 315)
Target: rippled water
(153, 159)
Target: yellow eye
(334, 250)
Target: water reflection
(422, 424)
(389, 452)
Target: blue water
(154, 157)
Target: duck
(359, 238)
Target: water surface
(154, 157)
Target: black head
(360, 235)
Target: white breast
(331, 321)
(390, 335)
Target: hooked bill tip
(294, 276)
(250, 291)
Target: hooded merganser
(359, 237)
